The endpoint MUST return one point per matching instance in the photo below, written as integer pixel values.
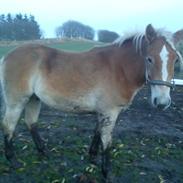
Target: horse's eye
(176, 60)
(149, 60)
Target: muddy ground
(147, 146)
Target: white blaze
(164, 57)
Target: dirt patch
(147, 146)
(142, 118)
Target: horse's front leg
(94, 147)
(107, 125)
(106, 140)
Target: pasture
(65, 44)
(148, 143)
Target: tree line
(24, 27)
(19, 27)
(74, 29)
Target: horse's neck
(132, 67)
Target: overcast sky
(115, 15)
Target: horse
(103, 80)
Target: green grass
(69, 45)
(5, 49)
(77, 46)
(135, 160)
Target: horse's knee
(8, 125)
(8, 130)
(106, 141)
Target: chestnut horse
(102, 80)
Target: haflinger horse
(103, 80)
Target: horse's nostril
(161, 104)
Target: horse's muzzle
(161, 103)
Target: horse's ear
(178, 37)
(150, 33)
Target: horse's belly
(80, 103)
(68, 105)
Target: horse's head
(160, 58)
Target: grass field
(69, 45)
(5, 49)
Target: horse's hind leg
(32, 110)
(12, 115)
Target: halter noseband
(158, 82)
